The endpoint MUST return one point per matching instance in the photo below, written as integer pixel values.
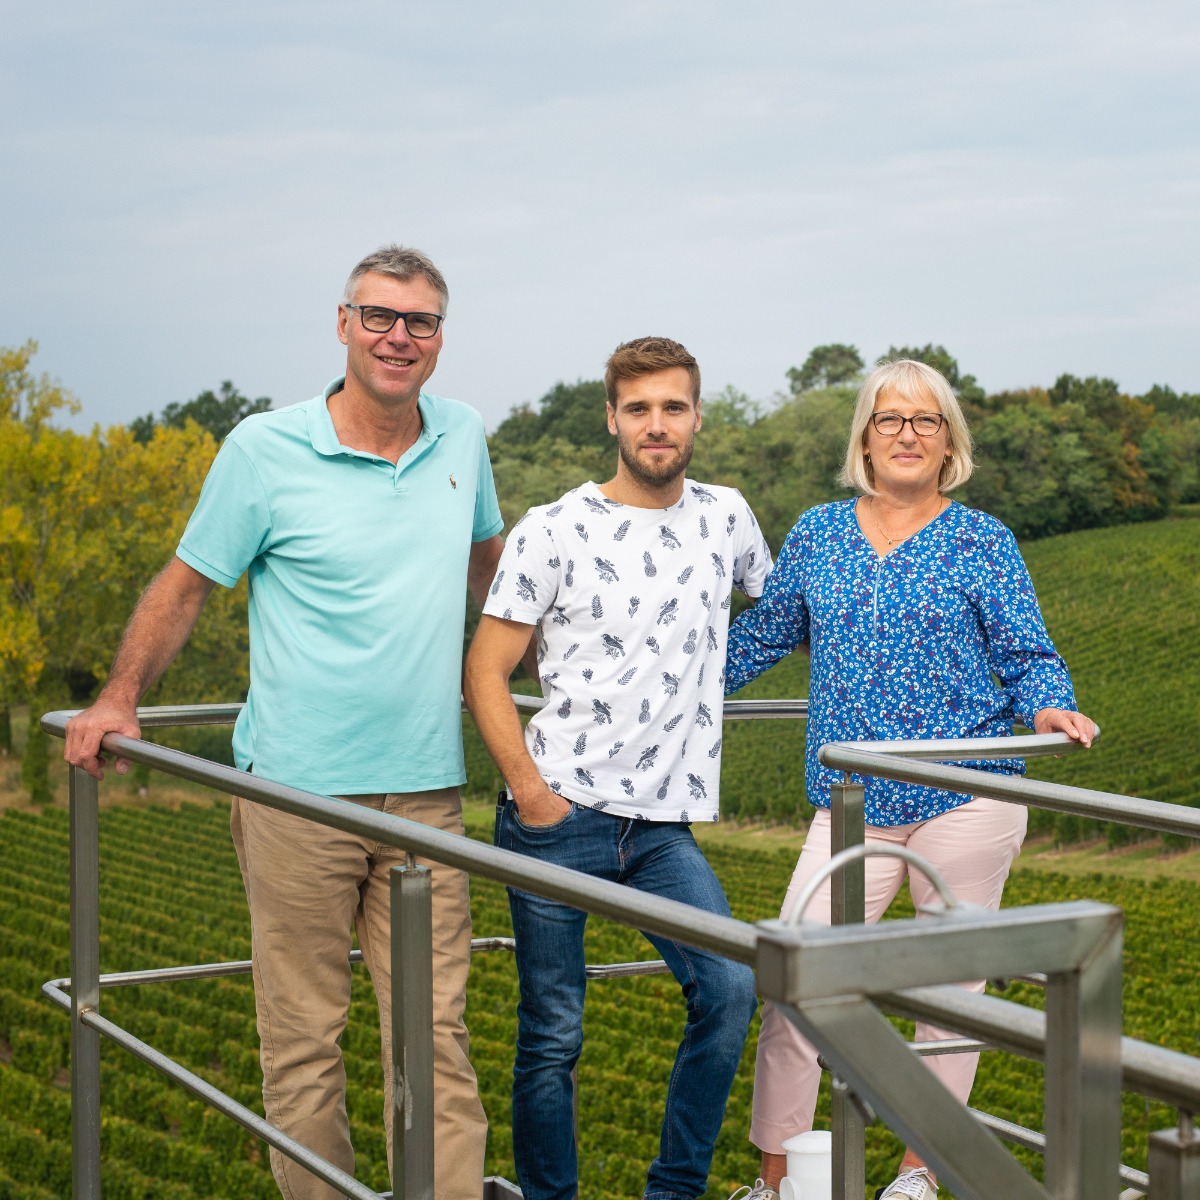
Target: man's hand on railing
(86, 731)
(161, 623)
(1059, 720)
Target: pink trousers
(972, 846)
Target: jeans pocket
(537, 830)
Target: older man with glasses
(361, 517)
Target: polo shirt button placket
(399, 488)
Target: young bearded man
(627, 584)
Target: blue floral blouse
(941, 638)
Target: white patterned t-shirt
(632, 611)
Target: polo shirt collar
(324, 436)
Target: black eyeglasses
(890, 424)
(378, 319)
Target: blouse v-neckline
(862, 533)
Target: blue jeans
(661, 858)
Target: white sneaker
(759, 1191)
(912, 1185)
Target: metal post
(848, 907)
(1083, 1076)
(848, 828)
(1175, 1162)
(85, 985)
(412, 1031)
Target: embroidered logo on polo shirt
(453, 484)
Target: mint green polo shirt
(358, 581)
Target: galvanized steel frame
(1079, 1035)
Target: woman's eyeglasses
(889, 424)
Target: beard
(656, 472)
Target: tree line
(86, 520)
(1076, 455)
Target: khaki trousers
(306, 885)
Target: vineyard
(171, 895)
(1123, 604)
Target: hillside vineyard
(171, 895)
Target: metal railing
(1149, 1070)
(829, 981)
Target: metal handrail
(1147, 1070)
(1021, 745)
(162, 716)
(1151, 1070)
(668, 918)
(734, 710)
(1174, 1078)
(853, 854)
(243, 966)
(869, 758)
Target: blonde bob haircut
(921, 384)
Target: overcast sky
(186, 186)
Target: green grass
(171, 895)
(1123, 605)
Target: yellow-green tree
(85, 523)
(27, 402)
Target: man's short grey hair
(400, 262)
(917, 382)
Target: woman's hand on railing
(1059, 720)
(86, 731)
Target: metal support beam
(848, 907)
(1083, 1075)
(1151, 1071)
(412, 1031)
(870, 1055)
(496, 1188)
(848, 828)
(1175, 1163)
(85, 985)
(824, 976)
(810, 962)
(344, 1183)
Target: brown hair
(645, 356)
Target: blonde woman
(913, 606)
